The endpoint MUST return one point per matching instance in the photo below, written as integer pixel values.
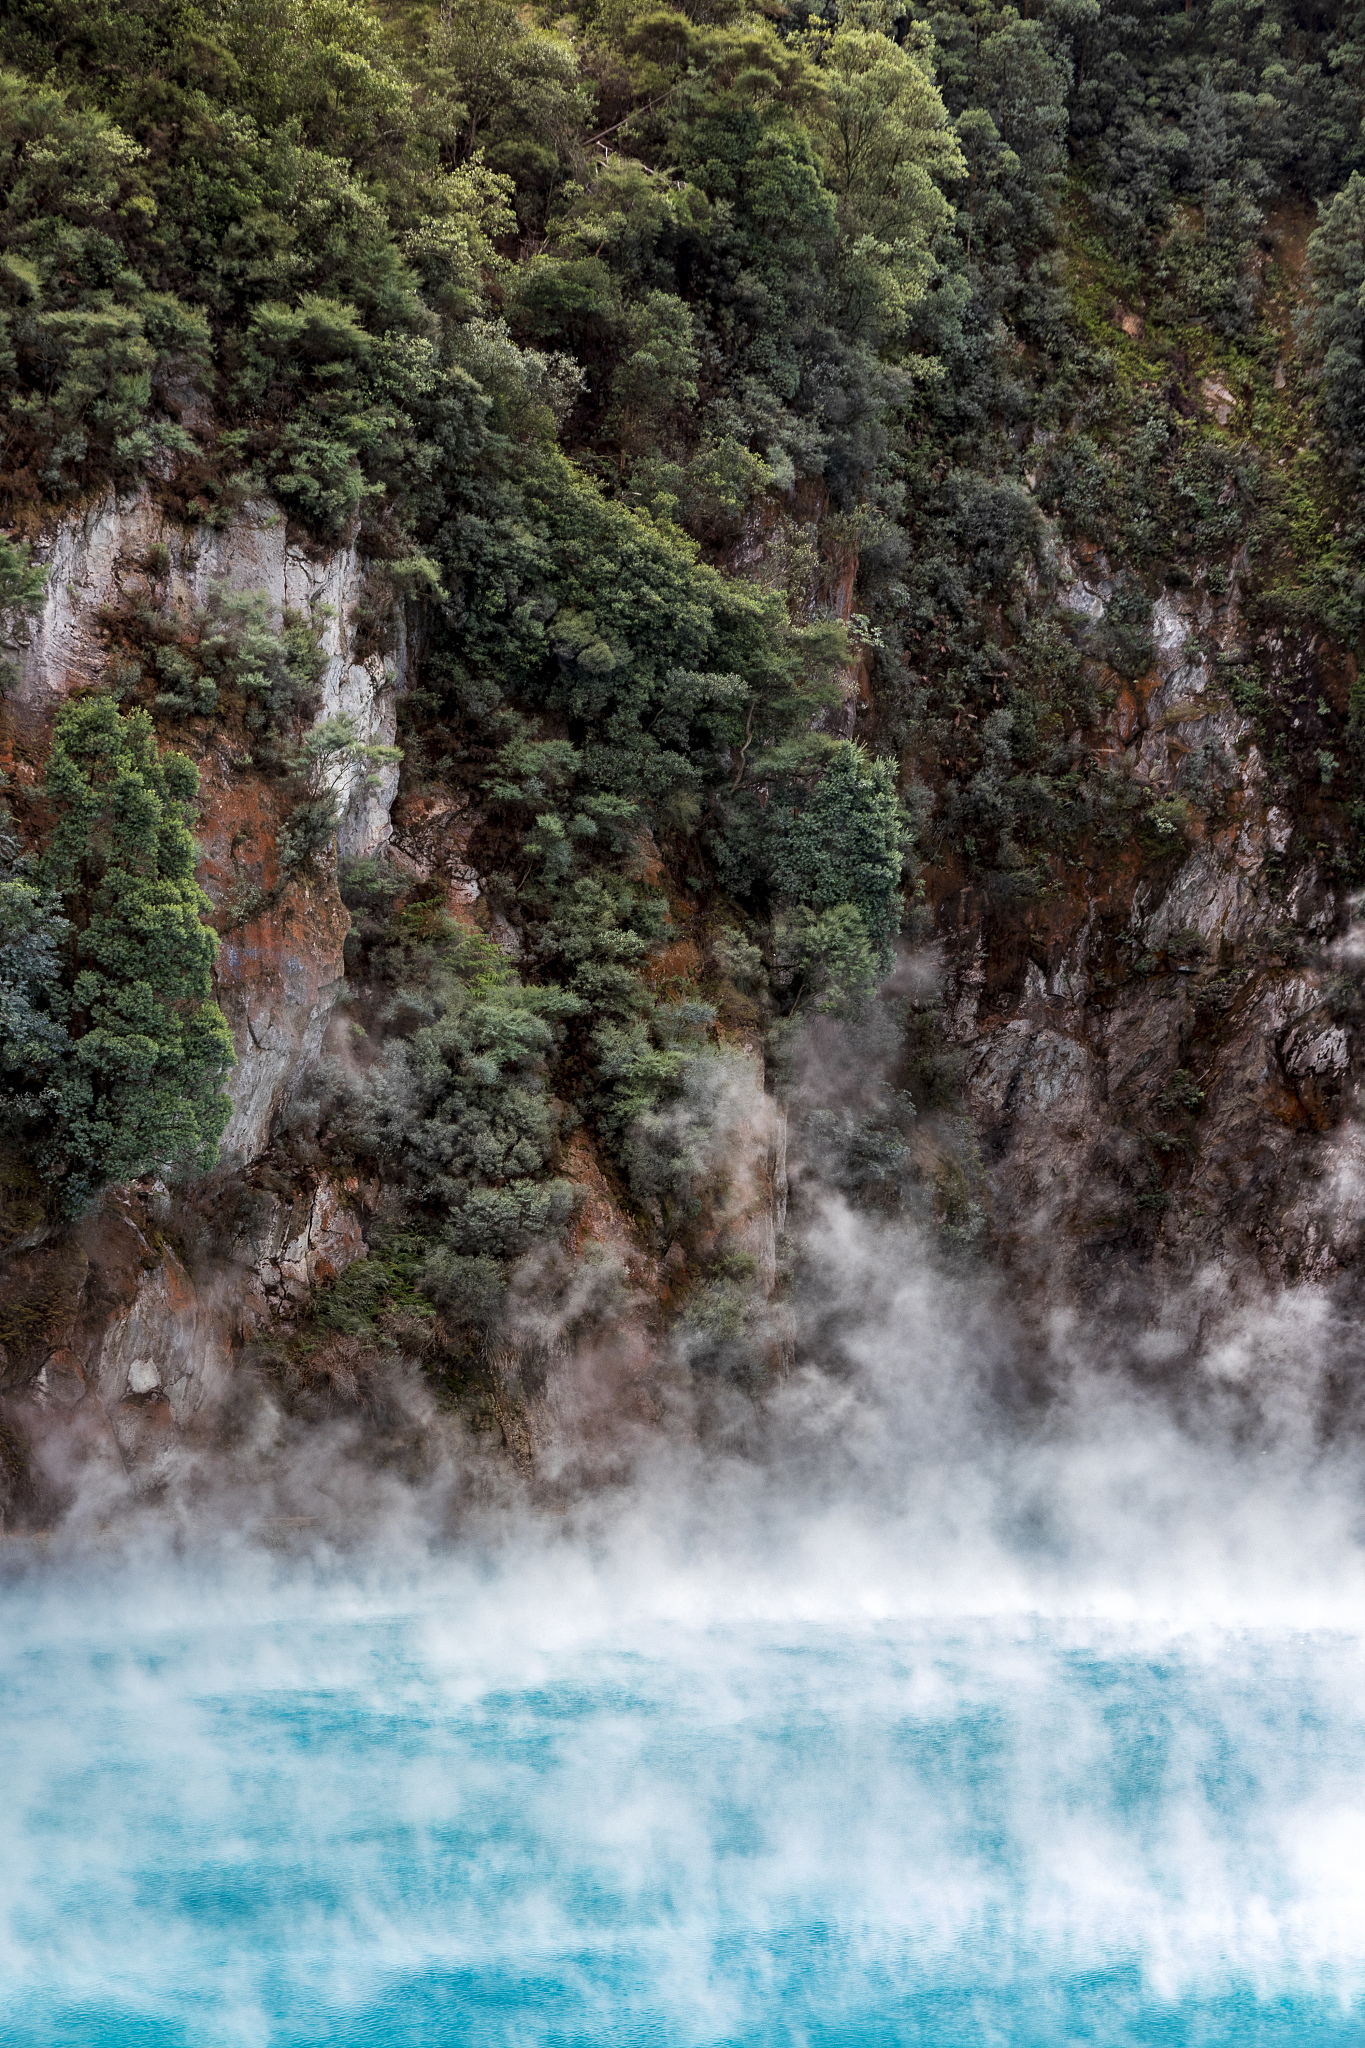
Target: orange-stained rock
(678, 963)
(278, 977)
(330, 1240)
(432, 830)
(600, 1218)
(169, 1341)
(60, 1382)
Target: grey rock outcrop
(144, 1333)
(1161, 1054)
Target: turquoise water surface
(483, 1806)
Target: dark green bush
(113, 1049)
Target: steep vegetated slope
(681, 566)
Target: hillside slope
(746, 609)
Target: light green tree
(886, 138)
(506, 74)
(80, 330)
(327, 64)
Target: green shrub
(458, 1109)
(1336, 254)
(136, 1086)
(839, 845)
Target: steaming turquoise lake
(280, 1812)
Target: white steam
(973, 1688)
(570, 1791)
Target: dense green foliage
(1338, 253)
(616, 339)
(112, 1048)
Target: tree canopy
(722, 381)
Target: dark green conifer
(140, 1089)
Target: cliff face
(129, 1333)
(103, 1328)
(1161, 1052)
(1158, 1052)
(278, 973)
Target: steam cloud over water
(441, 1813)
(930, 1711)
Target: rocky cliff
(1160, 1050)
(1157, 1052)
(143, 1327)
(103, 1326)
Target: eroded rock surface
(125, 1329)
(1162, 1052)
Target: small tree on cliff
(1336, 256)
(841, 843)
(140, 1089)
